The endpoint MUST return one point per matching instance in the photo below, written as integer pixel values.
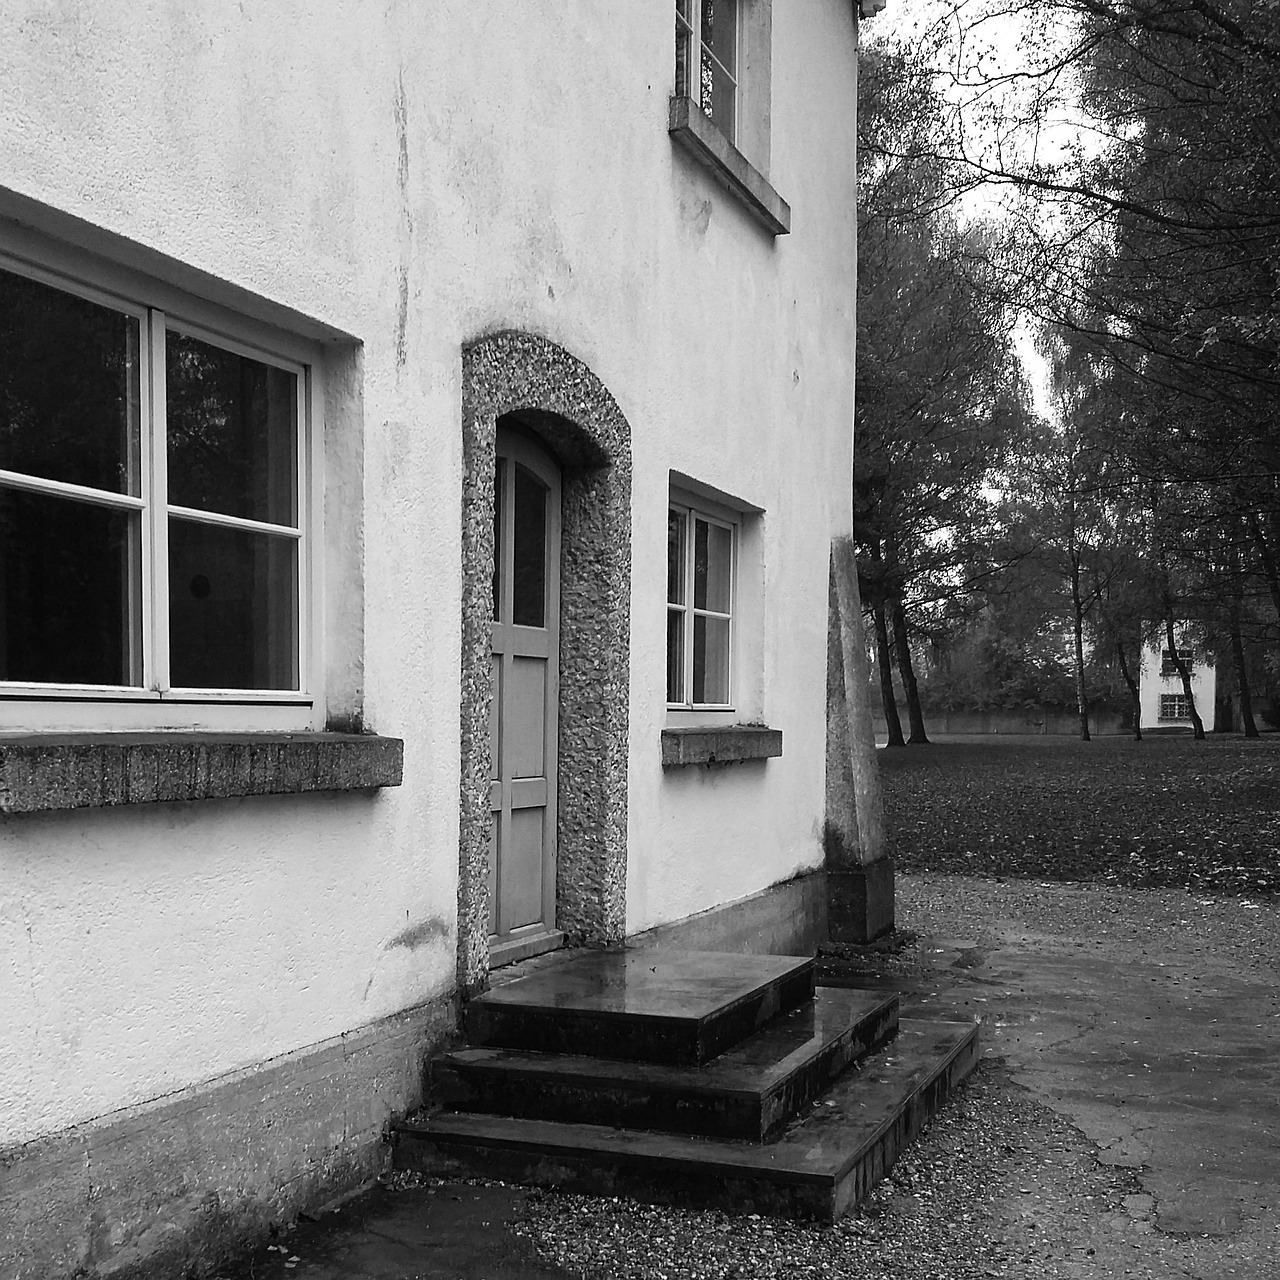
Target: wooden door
(524, 673)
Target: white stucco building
(1160, 691)
(423, 433)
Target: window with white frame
(1174, 706)
(153, 501)
(702, 551)
(708, 40)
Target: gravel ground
(999, 1185)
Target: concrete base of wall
(175, 1186)
(787, 919)
(860, 902)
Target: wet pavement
(1147, 1023)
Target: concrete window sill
(719, 744)
(40, 773)
(696, 135)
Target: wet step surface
(750, 1091)
(648, 1005)
(818, 1168)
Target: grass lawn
(1166, 811)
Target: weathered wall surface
(416, 178)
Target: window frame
(1177, 700)
(159, 309)
(691, 87)
(693, 509)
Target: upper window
(701, 565)
(1169, 659)
(707, 59)
(153, 503)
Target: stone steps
(818, 1168)
(748, 1092)
(641, 1005)
(696, 1078)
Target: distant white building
(1162, 697)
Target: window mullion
(156, 651)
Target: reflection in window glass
(69, 387)
(232, 432)
(69, 591)
(233, 608)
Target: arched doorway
(541, 392)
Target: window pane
(676, 527)
(712, 566)
(720, 32)
(723, 108)
(529, 562)
(233, 432)
(710, 660)
(233, 608)
(684, 44)
(69, 387)
(69, 591)
(675, 655)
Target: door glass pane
(710, 660)
(676, 529)
(529, 562)
(69, 591)
(69, 387)
(497, 539)
(233, 432)
(712, 566)
(233, 608)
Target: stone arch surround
(558, 399)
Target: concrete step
(641, 1005)
(750, 1091)
(818, 1168)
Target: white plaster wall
(1151, 684)
(415, 175)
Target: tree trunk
(1077, 620)
(1197, 726)
(1242, 676)
(914, 713)
(1134, 692)
(1265, 554)
(884, 666)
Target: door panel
(524, 719)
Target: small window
(1174, 706)
(701, 565)
(1170, 657)
(153, 510)
(707, 44)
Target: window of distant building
(1174, 706)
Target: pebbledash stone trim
(41, 773)
(719, 744)
(532, 383)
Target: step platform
(749, 1092)
(817, 1169)
(641, 1005)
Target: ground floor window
(1174, 706)
(701, 565)
(153, 501)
